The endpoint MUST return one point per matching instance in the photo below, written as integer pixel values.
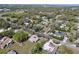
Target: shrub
(59, 38)
(56, 41)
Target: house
(6, 10)
(26, 24)
(65, 39)
(50, 47)
(77, 42)
(77, 18)
(5, 41)
(33, 38)
(2, 30)
(77, 35)
(58, 33)
(74, 8)
(9, 28)
(59, 23)
(12, 52)
(1, 38)
(77, 32)
(62, 25)
(16, 30)
(1, 10)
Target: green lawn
(25, 49)
(22, 50)
(65, 50)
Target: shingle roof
(12, 52)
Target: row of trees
(19, 36)
(14, 15)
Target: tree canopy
(8, 33)
(20, 36)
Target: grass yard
(22, 50)
(25, 49)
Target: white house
(65, 40)
(16, 30)
(2, 30)
(48, 46)
(33, 38)
(63, 25)
(9, 28)
(26, 24)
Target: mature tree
(2, 23)
(20, 36)
(8, 33)
(38, 47)
(38, 27)
(20, 21)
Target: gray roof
(12, 52)
(60, 33)
(1, 37)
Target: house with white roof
(33, 38)
(65, 39)
(26, 24)
(77, 18)
(49, 47)
(2, 30)
(62, 25)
